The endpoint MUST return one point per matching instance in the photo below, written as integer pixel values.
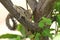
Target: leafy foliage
(44, 21)
(18, 38)
(33, 18)
(46, 32)
(21, 29)
(8, 36)
(57, 5)
(31, 36)
(37, 36)
(41, 24)
(58, 19)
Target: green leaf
(18, 38)
(37, 37)
(44, 21)
(21, 29)
(58, 19)
(31, 36)
(41, 24)
(57, 6)
(46, 32)
(47, 20)
(18, 27)
(8, 36)
(33, 18)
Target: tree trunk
(43, 8)
(40, 9)
(9, 6)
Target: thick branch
(9, 6)
(32, 4)
(43, 8)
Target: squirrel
(23, 13)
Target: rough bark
(32, 4)
(9, 6)
(44, 8)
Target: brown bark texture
(40, 9)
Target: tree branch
(32, 4)
(9, 6)
(44, 7)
